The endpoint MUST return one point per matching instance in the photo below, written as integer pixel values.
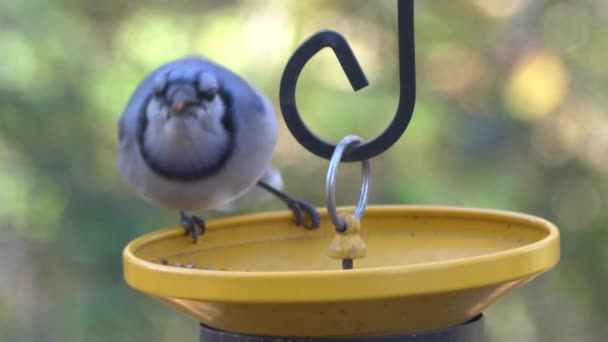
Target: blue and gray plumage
(194, 136)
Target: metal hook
(357, 79)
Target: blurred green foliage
(511, 114)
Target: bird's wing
(272, 177)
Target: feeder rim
(414, 279)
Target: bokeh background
(511, 113)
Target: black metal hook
(357, 79)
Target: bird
(195, 136)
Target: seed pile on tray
(188, 265)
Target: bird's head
(187, 124)
(181, 98)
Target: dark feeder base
(472, 331)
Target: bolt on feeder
(407, 273)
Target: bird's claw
(299, 207)
(192, 224)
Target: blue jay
(196, 136)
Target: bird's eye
(210, 94)
(207, 85)
(160, 83)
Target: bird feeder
(406, 273)
(426, 269)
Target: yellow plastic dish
(426, 268)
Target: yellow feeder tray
(426, 268)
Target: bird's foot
(192, 224)
(299, 207)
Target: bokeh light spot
(221, 39)
(453, 69)
(537, 86)
(109, 90)
(152, 39)
(18, 69)
(501, 8)
(31, 203)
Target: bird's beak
(178, 106)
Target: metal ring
(330, 182)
